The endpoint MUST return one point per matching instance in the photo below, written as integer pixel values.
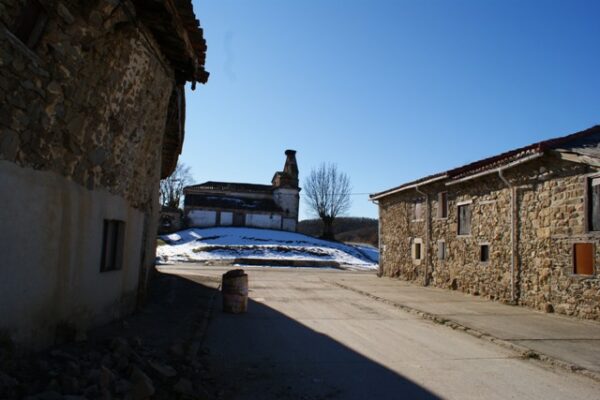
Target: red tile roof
(495, 161)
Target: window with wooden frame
(593, 204)
(31, 23)
(464, 219)
(583, 258)
(442, 210)
(113, 241)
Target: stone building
(273, 206)
(92, 117)
(170, 220)
(522, 227)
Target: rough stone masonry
(88, 102)
(526, 219)
(92, 117)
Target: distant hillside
(347, 229)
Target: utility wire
(349, 194)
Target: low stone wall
(170, 221)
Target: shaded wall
(83, 109)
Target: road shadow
(265, 354)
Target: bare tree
(171, 188)
(327, 194)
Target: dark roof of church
(230, 187)
(220, 201)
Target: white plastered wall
(51, 243)
(272, 221)
(289, 224)
(201, 218)
(226, 218)
(289, 200)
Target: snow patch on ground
(229, 243)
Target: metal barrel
(234, 289)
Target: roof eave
(509, 165)
(179, 36)
(406, 186)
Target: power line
(350, 194)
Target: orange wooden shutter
(584, 258)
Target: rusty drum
(235, 291)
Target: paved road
(568, 339)
(306, 338)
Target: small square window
(113, 239)
(443, 205)
(583, 258)
(484, 253)
(441, 251)
(464, 219)
(416, 249)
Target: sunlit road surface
(303, 337)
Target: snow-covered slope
(228, 243)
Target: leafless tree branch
(171, 188)
(327, 195)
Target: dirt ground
(154, 353)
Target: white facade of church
(272, 206)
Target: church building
(273, 206)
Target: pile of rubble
(115, 368)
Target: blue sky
(388, 90)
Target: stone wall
(83, 109)
(88, 101)
(397, 231)
(490, 224)
(550, 196)
(552, 218)
(170, 220)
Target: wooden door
(239, 219)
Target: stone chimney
(286, 192)
(291, 166)
(289, 176)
